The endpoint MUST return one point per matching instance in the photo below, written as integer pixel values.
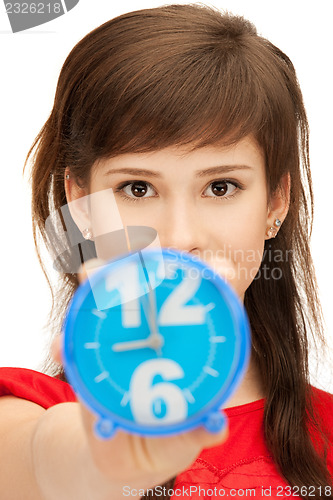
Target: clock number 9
(162, 402)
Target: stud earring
(87, 234)
(271, 232)
(67, 176)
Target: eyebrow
(220, 169)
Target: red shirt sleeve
(34, 386)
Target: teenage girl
(197, 124)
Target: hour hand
(154, 343)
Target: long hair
(192, 75)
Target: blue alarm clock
(154, 343)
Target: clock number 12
(173, 311)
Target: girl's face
(212, 202)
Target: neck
(249, 390)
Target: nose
(184, 229)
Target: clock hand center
(155, 340)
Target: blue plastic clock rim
(198, 419)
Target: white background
(30, 65)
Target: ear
(97, 216)
(278, 206)
(78, 202)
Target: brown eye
(220, 188)
(223, 189)
(133, 191)
(138, 189)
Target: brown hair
(191, 75)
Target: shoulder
(322, 406)
(322, 402)
(320, 424)
(34, 386)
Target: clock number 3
(162, 402)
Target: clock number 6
(161, 403)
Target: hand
(155, 339)
(140, 462)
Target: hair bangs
(215, 104)
(202, 93)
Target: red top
(240, 467)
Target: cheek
(245, 245)
(134, 214)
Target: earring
(87, 234)
(272, 231)
(67, 176)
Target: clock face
(155, 342)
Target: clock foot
(105, 428)
(215, 422)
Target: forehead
(245, 153)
